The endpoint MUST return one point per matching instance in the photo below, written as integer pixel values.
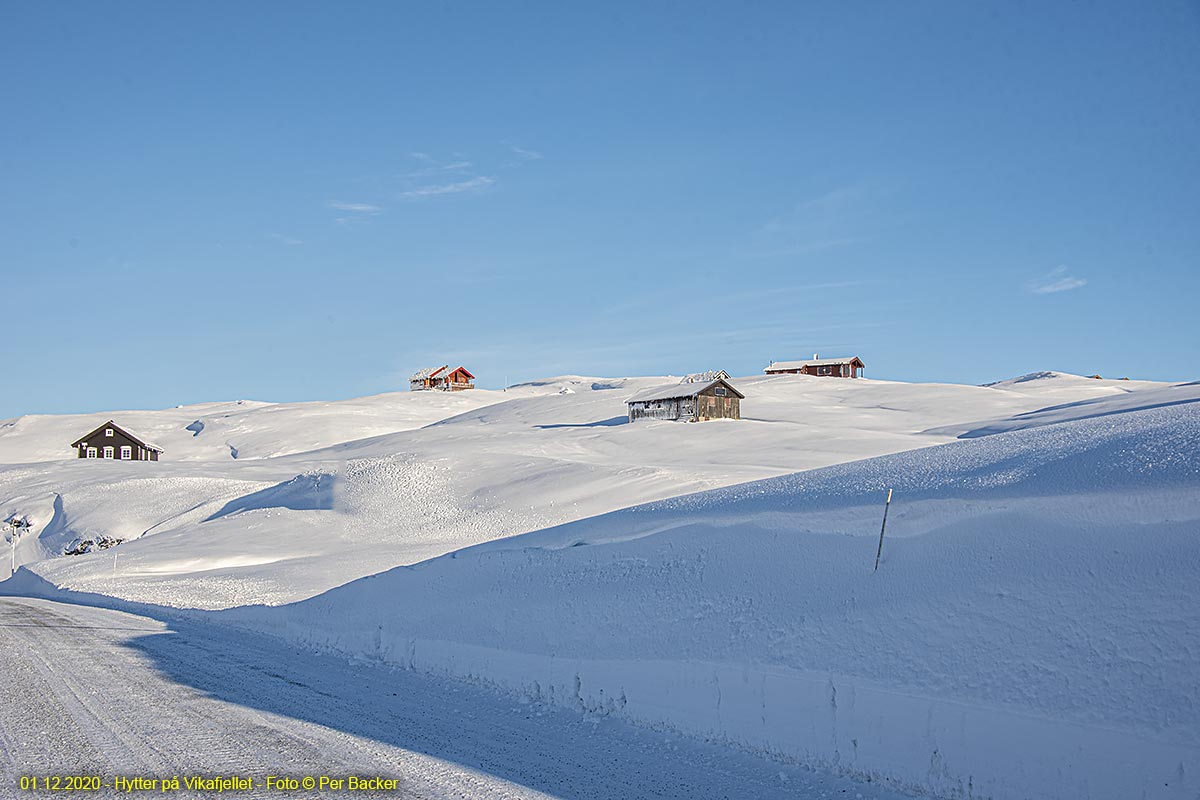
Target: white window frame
(92, 452)
(108, 432)
(127, 452)
(720, 391)
(108, 451)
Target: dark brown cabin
(823, 367)
(688, 401)
(112, 441)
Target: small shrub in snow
(81, 546)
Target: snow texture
(1032, 631)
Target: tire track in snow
(95, 707)
(121, 694)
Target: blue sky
(288, 201)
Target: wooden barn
(442, 378)
(690, 401)
(824, 367)
(112, 441)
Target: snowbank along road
(90, 691)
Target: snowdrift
(1032, 632)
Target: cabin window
(91, 452)
(127, 452)
(720, 391)
(823, 370)
(108, 432)
(108, 451)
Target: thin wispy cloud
(831, 203)
(288, 240)
(815, 246)
(1056, 280)
(356, 208)
(826, 221)
(733, 301)
(434, 167)
(477, 184)
(524, 153)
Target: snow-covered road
(95, 691)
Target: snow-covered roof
(115, 426)
(151, 446)
(672, 391)
(701, 377)
(812, 362)
(428, 372)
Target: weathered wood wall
(712, 406)
(704, 406)
(659, 409)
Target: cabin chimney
(815, 356)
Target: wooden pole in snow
(887, 504)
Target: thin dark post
(887, 504)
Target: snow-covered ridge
(324, 493)
(1032, 631)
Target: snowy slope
(215, 431)
(286, 521)
(1157, 396)
(1033, 630)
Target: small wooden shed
(691, 401)
(112, 441)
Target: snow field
(1032, 631)
(453, 470)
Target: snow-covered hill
(1032, 631)
(322, 493)
(243, 429)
